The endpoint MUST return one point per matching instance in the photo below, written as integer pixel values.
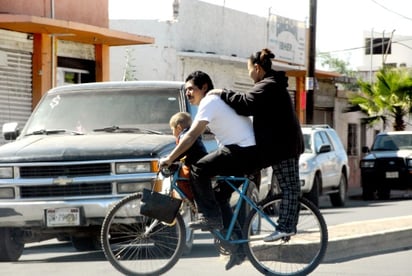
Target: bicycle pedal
(169, 224)
(224, 247)
(285, 239)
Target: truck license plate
(392, 174)
(62, 217)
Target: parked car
(323, 167)
(387, 165)
(83, 148)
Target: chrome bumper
(32, 213)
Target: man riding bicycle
(236, 154)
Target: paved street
(59, 258)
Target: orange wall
(93, 12)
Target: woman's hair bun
(268, 53)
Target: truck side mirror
(11, 131)
(365, 149)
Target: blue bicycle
(139, 245)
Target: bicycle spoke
(138, 245)
(299, 254)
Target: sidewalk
(355, 239)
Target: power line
(363, 47)
(392, 11)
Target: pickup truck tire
(83, 244)
(384, 193)
(338, 199)
(10, 248)
(368, 193)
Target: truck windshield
(83, 112)
(392, 142)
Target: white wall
(205, 29)
(151, 62)
(401, 53)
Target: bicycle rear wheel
(139, 245)
(301, 254)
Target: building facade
(218, 40)
(44, 43)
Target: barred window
(352, 148)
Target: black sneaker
(206, 224)
(235, 259)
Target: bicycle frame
(152, 247)
(242, 198)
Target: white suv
(323, 167)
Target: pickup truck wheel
(368, 193)
(10, 248)
(338, 199)
(384, 193)
(313, 194)
(90, 243)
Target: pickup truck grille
(91, 189)
(67, 170)
(390, 164)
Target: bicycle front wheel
(139, 245)
(299, 255)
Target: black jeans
(229, 160)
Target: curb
(352, 240)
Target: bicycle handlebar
(168, 171)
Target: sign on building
(287, 39)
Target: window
(70, 76)
(326, 139)
(380, 46)
(352, 139)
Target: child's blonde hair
(181, 118)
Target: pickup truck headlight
(409, 162)
(367, 164)
(6, 172)
(135, 167)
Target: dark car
(387, 165)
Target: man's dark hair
(200, 78)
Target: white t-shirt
(229, 127)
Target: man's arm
(197, 128)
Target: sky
(340, 25)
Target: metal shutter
(15, 78)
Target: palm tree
(389, 96)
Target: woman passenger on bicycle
(279, 138)
(236, 154)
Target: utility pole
(310, 72)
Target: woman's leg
(287, 174)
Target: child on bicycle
(180, 123)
